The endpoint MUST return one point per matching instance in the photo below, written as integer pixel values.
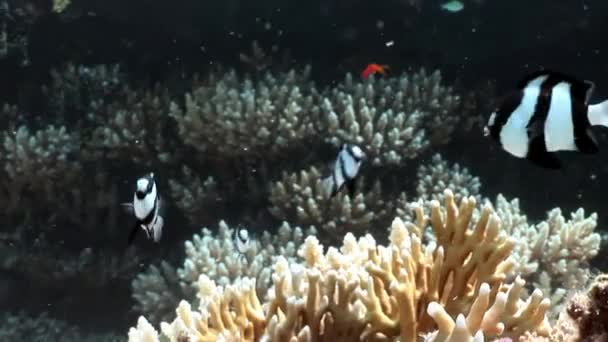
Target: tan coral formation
(373, 292)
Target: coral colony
(443, 263)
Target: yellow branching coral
(365, 291)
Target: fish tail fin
(133, 233)
(158, 228)
(598, 114)
(128, 208)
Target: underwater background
(240, 108)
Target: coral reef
(300, 198)
(554, 254)
(586, 315)
(364, 290)
(438, 174)
(215, 255)
(231, 144)
(198, 199)
(21, 327)
(249, 117)
(392, 119)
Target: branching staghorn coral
(78, 89)
(37, 166)
(300, 198)
(15, 26)
(365, 291)
(228, 116)
(50, 266)
(433, 176)
(156, 291)
(392, 119)
(23, 327)
(120, 121)
(42, 170)
(216, 256)
(553, 255)
(439, 174)
(136, 126)
(197, 199)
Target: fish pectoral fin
(538, 154)
(128, 208)
(535, 129)
(585, 142)
(351, 186)
(158, 228)
(133, 233)
(328, 187)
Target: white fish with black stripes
(147, 207)
(548, 112)
(345, 170)
(242, 243)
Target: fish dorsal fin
(531, 78)
(581, 90)
(589, 91)
(557, 77)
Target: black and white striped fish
(147, 209)
(548, 112)
(242, 243)
(345, 171)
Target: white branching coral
(120, 121)
(393, 119)
(23, 327)
(439, 174)
(230, 116)
(195, 197)
(135, 124)
(301, 198)
(433, 176)
(554, 254)
(37, 162)
(215, 256)
(45, 153)
(76, 89)
(156, 291)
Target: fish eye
(140, 194)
